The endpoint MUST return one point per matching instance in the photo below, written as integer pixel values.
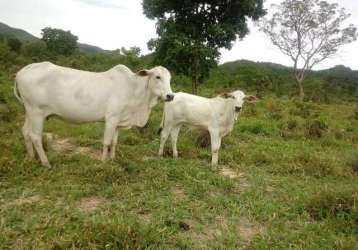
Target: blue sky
(112, 24)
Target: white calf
(216, 115)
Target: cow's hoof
(46, 165)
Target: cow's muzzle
(237, 109)
(169, 98)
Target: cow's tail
(161, 124)
(16, 92)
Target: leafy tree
(308, 31)
(132, 51)
(192, 32)
(14, 44)
(59, 41)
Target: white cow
(216, 115)
(118, 96)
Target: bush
(274, 109)
(315, 128)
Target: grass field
(288, 179)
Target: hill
(20, 34)
(25, 36)
(340, 73)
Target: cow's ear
(143, 72)
(250, 98)
(228, 95)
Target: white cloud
(104, 4)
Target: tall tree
(191, 32)
(59, 41)
(308, 31)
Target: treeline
(333, 85)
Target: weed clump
(315, 128)
(203, 139)
(355, 165)
(334, 204)
(257, 128)
(274, 109)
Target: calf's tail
(16, 93)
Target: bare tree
(308, 31)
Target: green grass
(290, 188)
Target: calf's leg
(163, 138)
(174, 138)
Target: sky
(112, 24)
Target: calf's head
(238, 98)
(158, 82)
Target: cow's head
(158, 82)
(238, 98)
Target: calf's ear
(143, 72)
(228, 95)
(250, 98)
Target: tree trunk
(301, 93)
(196, 76)
(194, 86)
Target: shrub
(315, 128)
(274, 109)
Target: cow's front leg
(109, 132)
(215, 146)
(114, 144)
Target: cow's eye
(158, 77)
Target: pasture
(287, 179)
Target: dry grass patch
(230, 173)
(248, 230)
(178, 192)
(90, 204)
(27, 200)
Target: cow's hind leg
(114, 144)
(36, 121)
(26, 130)
(215, 146)
(109, 132)
(174, 138)
(163, 138)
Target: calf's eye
(158, 77)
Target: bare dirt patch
(61, 145)
(178, 192)
(27, 200)
(248, 230)
(90, 204)
(230, 173)
(149, 158)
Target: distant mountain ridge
(340, 74)
(25, 36)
